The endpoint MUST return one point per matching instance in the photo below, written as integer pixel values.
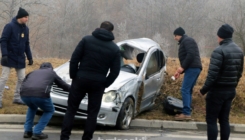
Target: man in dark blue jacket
(35, 92)
(94, 56)
(15, 47)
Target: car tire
(125, 115)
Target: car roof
(143, 44)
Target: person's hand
(201, 95)
(4, 60)
(30, 62)
(176, 75)
(180, 70)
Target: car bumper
(107, 115)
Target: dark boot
(39, 136)
(27, 135)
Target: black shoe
(18, 101)
(27, 135)
(39, 136)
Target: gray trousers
(4, 78)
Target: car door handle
(158, 79)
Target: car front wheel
(126, 114)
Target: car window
(152, 66)
(161, 59)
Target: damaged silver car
(135, 89)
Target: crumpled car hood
(122, 79)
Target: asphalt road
(15, 132)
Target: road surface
(15, 132)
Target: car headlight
(109, 96)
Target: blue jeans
(33, 103)
(190, 78)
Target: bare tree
(122, 28)
(10, 7)
(232, 12)
(238, 22)
(162, 42)
(56, 26)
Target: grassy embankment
(172, 88)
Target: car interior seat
(140, 57)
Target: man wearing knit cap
(15, 47)
(190, 64)
(225, 70)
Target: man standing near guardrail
(190, 65)
(14, 47)
(225, 71)
(94, 56)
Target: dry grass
(169, 87)
(8, 107)
(172, 88)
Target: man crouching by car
(35, 92)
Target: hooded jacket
(94, 56)
(226, 67)
(15, 44)
(39, 82)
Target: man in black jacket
(35, 92)
(190, 62)
(89, 65)
(225, 70)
